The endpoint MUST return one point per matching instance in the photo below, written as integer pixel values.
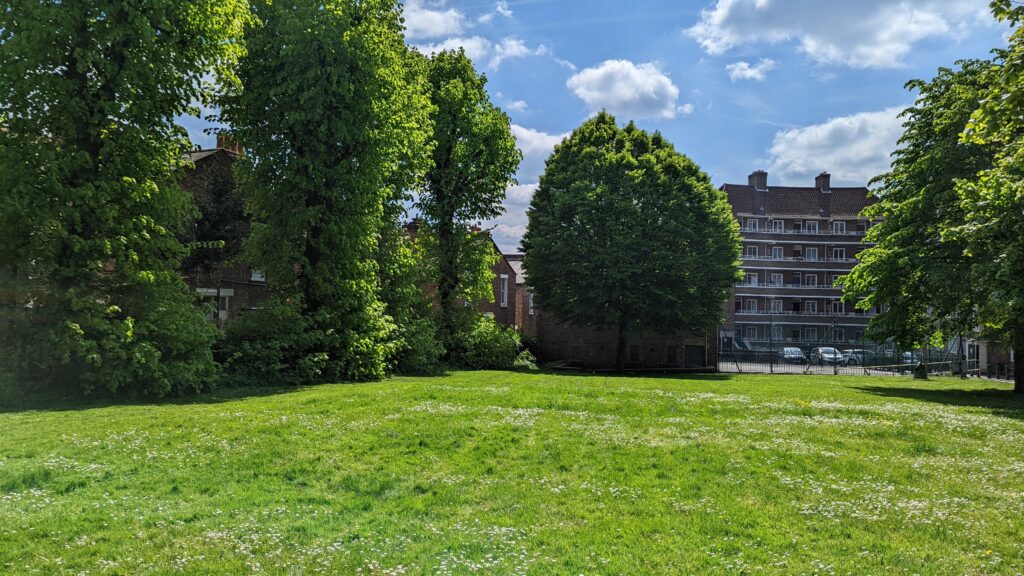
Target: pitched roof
(197, 155)
(516, 262)
(796, 201)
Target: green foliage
(490, 346)
(915, 272)
(625, 232)
(88, 95)
(474, 160)
(334, 120)
(993, 201)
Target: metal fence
(861, 357)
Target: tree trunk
(1018, 373)
(620, 348)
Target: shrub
(490, 346)
(271, 346)
(526, 360)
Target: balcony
(791, 314)
(825, 232)
(800, 259)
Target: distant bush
(490, 346)
(526, 360)
(420, 351)
(273, 345)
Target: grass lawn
(512, 473)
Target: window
(810, 334)
(839, 253)
(811, 307)
(811, 254)
(776, 279)
(797, 278)
(257, 276)
(811, 280)
(839, 227)
(811, 226)
(739, 304)
(777, 252)
(503, 291)
(751, 251)
(529, 302)
(751, 225)
(835, 280)
(778, 225)
(751, 332)
(777, 332)
(777, 306)
(752, 279)
(838, 334)
(838, 307)
(751, 305)
(798, 226)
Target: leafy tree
(625, 233)
(330, 112)
(88, 145)
(474, 160)
(914, 273)
(993, 201)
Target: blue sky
(790, 86)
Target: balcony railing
(825, 232)
(800, 259)
(826, 314)
(797, 286)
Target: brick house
(214, 269)
(553, 340)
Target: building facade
(797, 242)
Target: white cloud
(852, 148)
(479, 49)
(685, 109)
(500, 9)
(431, 21)
(512, 47)
(476, 47)
(536, 146)
(520, 194)
(513, 105)
(743, 70)
(623, 88)
(862, 34)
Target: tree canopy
(89, 93)
(626, 233)
(473, 163)
(909, 274)
(333, 121)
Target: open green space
(524, 473)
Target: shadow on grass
(1001, 402)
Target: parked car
(792, 355)
(826, 355)
(859, 357)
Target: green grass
(511, 473)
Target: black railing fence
(958, 357)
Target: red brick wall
(246, 293)
(503, 314)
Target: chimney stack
(225, 142)
(759, 180)
(823, 182)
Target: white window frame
(839, 227)
(777, 279)
(811, 227)
(776, 306)
(838, 307)
(810, 254)
(778, 226)
(811, 280)
(811, 306)
(752, 251)
(529, 302)
(752, 279)
(750, 305)
(503, 290)
(777, 253)
(810, 334)
(256, 275)
(839, 253)
(750, 225)
(750, 332)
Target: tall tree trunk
(620, 348)
(447, 284)
(1018, 355)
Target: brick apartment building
(796, 242)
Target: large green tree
(89, 93)
(332, 119)
(915, 273)
(627, 234)
(993, 201)
(474, 161)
